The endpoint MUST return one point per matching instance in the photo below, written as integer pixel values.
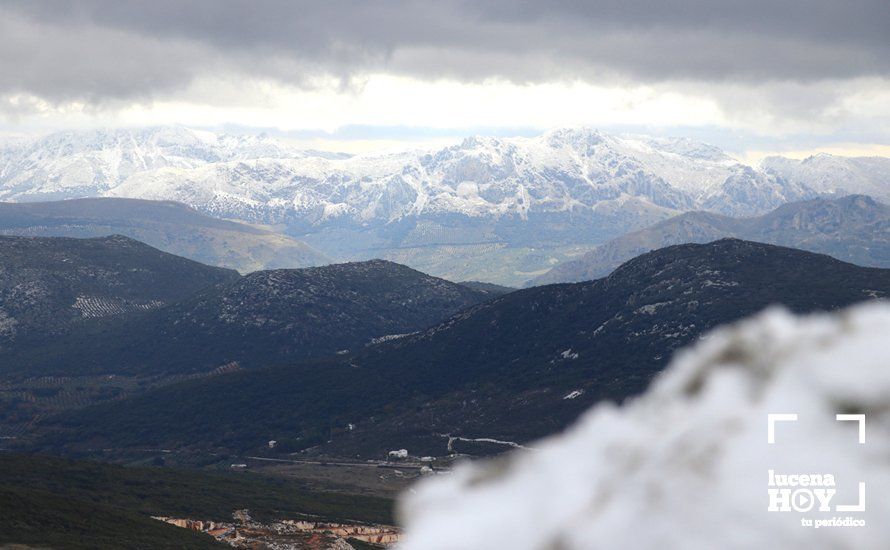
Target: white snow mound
(686, 464)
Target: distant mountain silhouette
(170, 226)
(854, 228)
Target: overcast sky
(751, 76)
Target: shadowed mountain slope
(49, 286)
(266, 317)
(512, 369)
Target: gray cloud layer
(96, 50)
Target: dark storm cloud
(96, 50)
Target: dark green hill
(515, 368)
(264, 318)
(49, 286)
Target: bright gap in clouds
(383, 100)
(446, 108)
(382, 111)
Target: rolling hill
(854, 228)
(49, 286)
(266, 317)
(166, 225)
(508, 370)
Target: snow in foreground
(686, 465)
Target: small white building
(400, 454)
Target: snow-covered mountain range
(259, 178)
(79, 164)
(566, 187)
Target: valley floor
(61, 503)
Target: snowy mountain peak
(832, 174)
(690, 148)
(170, 141)
(76, 164)
(574, 136)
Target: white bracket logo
(771, 420)
(803, 492)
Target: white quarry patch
(687, 465)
